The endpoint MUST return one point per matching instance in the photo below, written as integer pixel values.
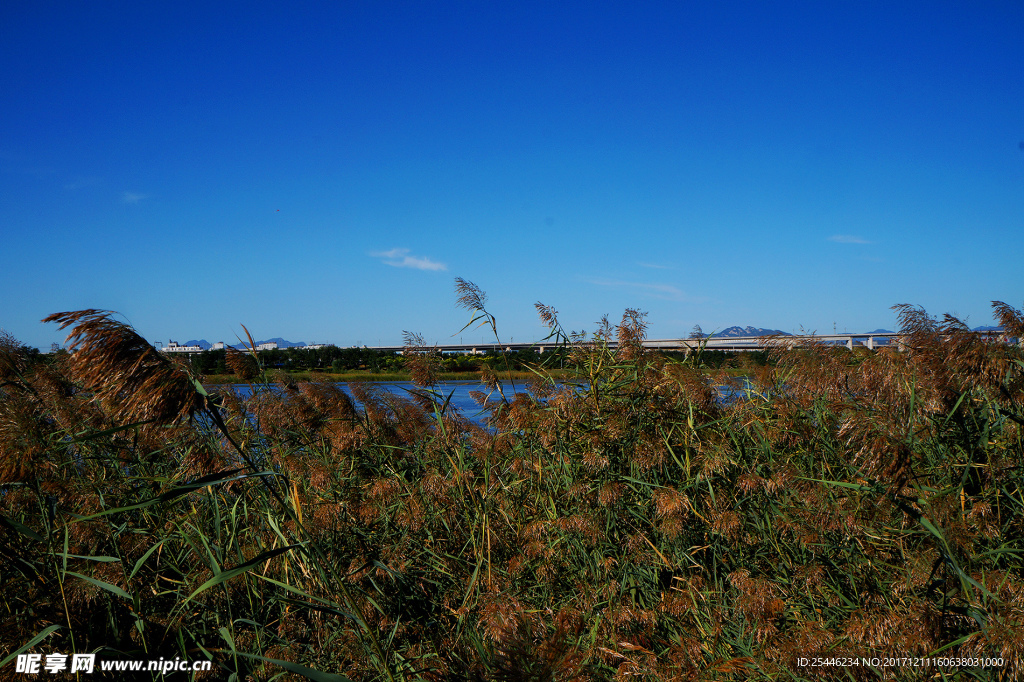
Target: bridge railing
(723, 343)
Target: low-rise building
(175, 347)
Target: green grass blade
(106, 586)
(31, 643)
(24, 530)
(298, 669)
(224, 576)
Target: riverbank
(363, 375)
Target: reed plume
(246, 366)
(124, 372)
(626, 520)
(471, 297)
(421, 360)
(1011, 319)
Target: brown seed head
(126, 374)
(471, 297)
(548, 315)
(422, 361)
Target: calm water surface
(459, 391)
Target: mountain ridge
(281, 343)
(736, 330)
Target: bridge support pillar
(849, 343)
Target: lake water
(459, 391)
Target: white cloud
(133, 197)
(848, 239)
(665, 292)
(400, 258)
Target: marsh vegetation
(622, 523)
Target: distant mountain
(976, 329)
(750, 331)
(281, 343)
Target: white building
(269, 345)
(174, 347)
(218, 346)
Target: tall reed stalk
(623, 522)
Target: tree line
(336, 359)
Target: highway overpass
(721, 343)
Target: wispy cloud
(665, 292)
(400, 258)
(848, 239)
(133, 197)
(655, 266)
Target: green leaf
(931, 528)
(99, 583)
(31, 643)
(952, 644)
(949, 557)
(324, 605)
(212, 479)
(998, 551)
(226, 636)
(86, 436)
(224, 576)
(101, 559)
(299, 669)
(142, 559)
(24, 530)
(841, 484)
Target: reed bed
(471, 375)
(622, 523)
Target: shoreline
(306, 375)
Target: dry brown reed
(627, 522)
(421, 360)
(134, 382)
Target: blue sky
(323, 171)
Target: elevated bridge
(722, 343)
